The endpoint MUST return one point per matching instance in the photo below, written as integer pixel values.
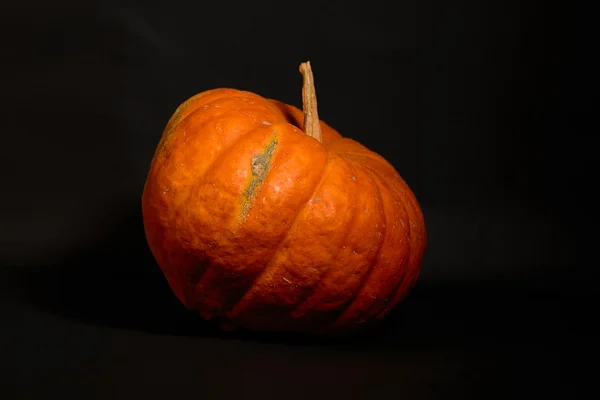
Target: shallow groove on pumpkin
(304, 305)
(376, 259)
(327, 304)
(343, 312)
(223, 153)
(405, 280)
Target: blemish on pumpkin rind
(261, 164)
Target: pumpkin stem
(312, 126)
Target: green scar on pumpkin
(261, 164)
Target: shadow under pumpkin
(116, 283)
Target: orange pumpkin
(262, 225)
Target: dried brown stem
(312, 126)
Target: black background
(478, 104)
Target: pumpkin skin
(261, 226)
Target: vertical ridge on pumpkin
(410, 278)
(239, 307)
(355, 257)
(217, 196)
(283, 294)
(211, 133)
(378, 165)
(415, 242)
(403, 266)
(244, 247)
(381, 231)
(305, 308)
(380, 286)
(376, 262)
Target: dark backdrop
(474, 102)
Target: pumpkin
(263, 217)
